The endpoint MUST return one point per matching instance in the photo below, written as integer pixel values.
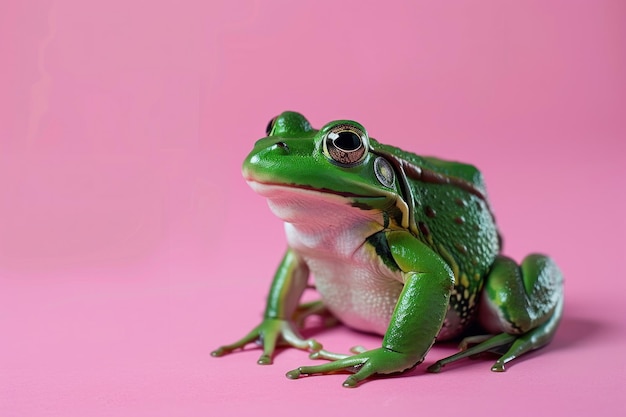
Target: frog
(395, 244)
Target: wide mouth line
(345, 194)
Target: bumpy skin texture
(398, 244)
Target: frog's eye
(270, 126)
(346, 145)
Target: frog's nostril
(283, 146)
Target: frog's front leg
(521, 306)
(416, 320)
(278, 325)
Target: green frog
(398, 244)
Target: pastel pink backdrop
(130, 247)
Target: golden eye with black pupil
(270, 126)
(346, 145)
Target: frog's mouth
(302, 204)
(305, 198)
(269, 189)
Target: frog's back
(451, 214)
(452, 169)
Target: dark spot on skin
(385, 219)
(424, 228)
(459, 202)
(459, 220)
(360, 205)
(381, 246)
(476, 227)
(396, 215)
(283, 146)
(460, 247)
(430, 212)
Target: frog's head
(304, 172)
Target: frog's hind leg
(521, 306)
(531, 340)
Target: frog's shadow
(573, 331)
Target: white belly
(330, 234)
(355, 295)
(353, 282)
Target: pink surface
(130, 247)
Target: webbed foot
(364, 365)
(268, 334)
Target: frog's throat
(405, 169)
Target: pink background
(130, 247)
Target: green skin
(423, 224)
